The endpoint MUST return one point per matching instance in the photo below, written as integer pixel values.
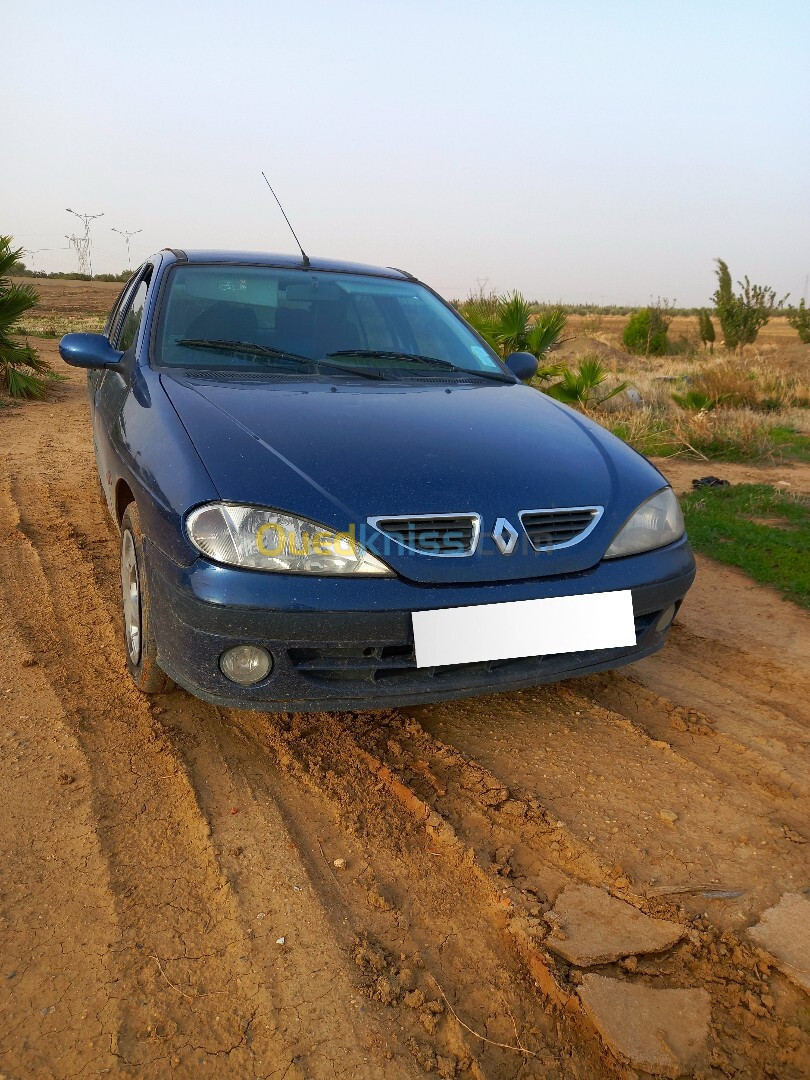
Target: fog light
(665, 619)
(246, 664)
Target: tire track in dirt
(659, 815)
(428, 920)
(175, 928)
(56, 971)
(283, 897)
(529, 855)
(192, 995)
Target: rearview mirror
(88, 351)
(522, 364)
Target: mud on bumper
(357, 660)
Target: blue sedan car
(332, 494)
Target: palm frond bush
(508, 324)
(695, 400)
(580, 387)
(23, 374)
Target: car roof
(294, 262)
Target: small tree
(742, 314)
(646, 331)
(22, 372)
(799, 319)
(706, 326)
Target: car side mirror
(522, 364)
(88, 351)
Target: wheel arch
(123, 497)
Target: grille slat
(275, 376)
(553, 528)
(448, 535)
(218, 375)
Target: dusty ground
(66, 296)
(169, 903)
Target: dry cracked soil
(192, 891)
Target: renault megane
(333, 494)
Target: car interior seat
(335, 331)
(293, 330)
(225, 321)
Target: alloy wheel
(131, 597)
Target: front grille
(442, 534)
(555, 528)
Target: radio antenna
(304, 256)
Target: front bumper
(348, 645)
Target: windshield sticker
(483, 357)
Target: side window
(131, 324)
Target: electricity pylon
(82, 243)
(127, 236)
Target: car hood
(340, 454)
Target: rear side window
(131, 324)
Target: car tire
(139, 638)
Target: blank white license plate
(558, 624)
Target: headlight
(656, 523)
(259, 539)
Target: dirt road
(191, 891)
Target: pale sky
(577, 150)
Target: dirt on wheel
(499, 887)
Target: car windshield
(314, 322)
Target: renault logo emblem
(505, 536)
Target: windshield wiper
(432, 361)
(253, 349)
(381, 354)
(249, 347)
(365, 373)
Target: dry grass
(777, 331)
(48, 324)
(755, 406)
(756, 384)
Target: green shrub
(799, 319)
(646, 332)
(22, 371)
